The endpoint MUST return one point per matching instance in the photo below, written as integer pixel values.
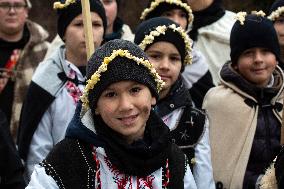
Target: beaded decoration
(59, 5)
(275, 14)
(179, 3)
(160, 30)
(241, 16)
(95, 78)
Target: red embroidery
(72, 89)
(146, 182)
(98, 172)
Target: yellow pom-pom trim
(276, 14)
(179, 3)
(241, 16)
(59, 5)
(95, 78)
(160, 30)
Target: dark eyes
(110, 94)
(135, 89)
(132, 91)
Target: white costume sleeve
(41, 144)
(40, 180)
(51, 130)
(202, 170)
(189, 182)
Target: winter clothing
(211, 33)
(244, 127)
(120, 31)
(176, 36)
(257, 31)
(187, 124)
(67, 14)
(32, 47)
(197, 76)
(91, 152)
(108, 160)
(156, 8)
(274, 8)
(51, 100)
(11, 168)
(189, 130)
(117, 71)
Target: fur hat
(69, 9)
(250, 31)
(157, 7)
(118, 60)
(276, 9)
(163, 29)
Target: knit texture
(170, 36)
(256, 31)
(119, 69)
(66, 15)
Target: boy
(245, 110)
(115, 139)
(57, 85)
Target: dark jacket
(266, 142)
(11, 168)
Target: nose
(12, 9)
(258, 57)
(164, 64)
(125, 103)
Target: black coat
(11, 168)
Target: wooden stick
(282, 127)
(87, 21)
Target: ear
(153, 101)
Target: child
(169, 50)
(57, 84)
(196, 76)
(277, 16)
(245, 110)
(211, 32)
(115, 139)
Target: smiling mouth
(128, 120)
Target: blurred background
(130, 10)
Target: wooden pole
(88, 30)
(282, 127)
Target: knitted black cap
(163, 6)
(67, 14)
(119, 69)
(276, 5)
(170, 35)
(257, 31)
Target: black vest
(71, 165)
(189, 131)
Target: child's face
(178, 16)
(111, 13)
(167, 61)
(279, 27)
(256, 65)
(75, 38)
(125, 107)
